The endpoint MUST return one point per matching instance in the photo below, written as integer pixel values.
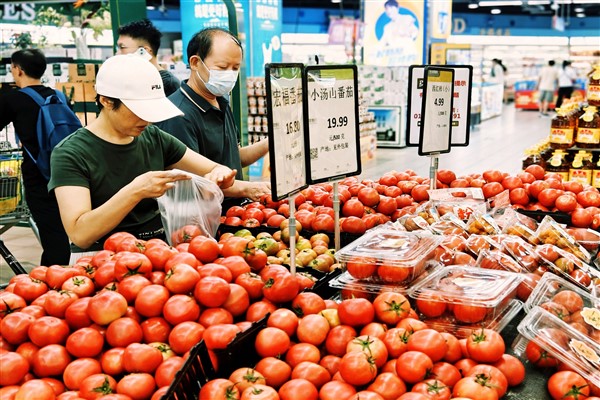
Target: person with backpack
(33, 122)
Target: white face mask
(219, 82)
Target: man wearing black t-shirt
(142, 34)
(27, 68)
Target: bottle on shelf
(532, 156)
(588, 129)
(582, 168)
(559, 164)
(562, 130)
(593, 89)
(596, 174)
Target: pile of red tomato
(367, 203)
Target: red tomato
(275, 371)
(206, 249)
(219, 389)
(30, 289)
(373, 347)
(361, 267)
(50, 360)
(184, 336)
(485, 346)
(123, 331)
(429, 342)
(519, 196)
(112, 361)
(312, 372)
(151, 300)
(180, 308)
(97, 385)
(258, 310)
(82, 286)
(388, 385)
(581, 218)
(14, 327)
(469, 313)
(48, 330)
(137, 386)
(354, 225)
(356, 312)
(106, 307)
(391, 307)
(246, 377)
(492, 375)
(338, 339)
(413, 366)
(419, 193)
(298, 389)
(301, 352)
(219, 336)
(568, 385)
(475, 388)
(588, 198)
(323, 223)
(211, 291)
(85, 342)
(182, 278)
(357, 368)
(78, 370)
(141, 358)
(433, 388)
(183, 258)
(539, 357)
(56, 302)
(56, 275)
(281, 288)
(368, 196)
(285, 320)
(336, 390)
(512, 368)
(445, 176)
(313, 329)
(353, 208)
(14, 368)
(396, 341)
(492, 189)
(236, 264)
(271, 342)
(35, 389)
(446, 373)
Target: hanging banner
(440, 14)
(263, 21)
(461, 109)
(436, 129)
(331, 109)
(285, 114)
(200, 14)
(394, 32)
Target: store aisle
(497, 143)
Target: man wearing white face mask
(208, 126)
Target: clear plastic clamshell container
(568, 266)
(551, 232)
(523, 252)
(472, 296)
(497, 260)
(389, 256)
(569, 345)
(588, 238)
(573, 299)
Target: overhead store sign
(441, 18)
(196, 16)
(394, 32)
(17, 13)
(461, 110)
(263, 22)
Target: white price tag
(333, 134)
(436, 126)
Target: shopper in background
(138, 35)
(498, 71)
(208, 126)
(546, 86)
(566, 82)
(107, 175)
(28, 67)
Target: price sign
(436, 127)
(333, 140)
(285, 116)
(461, 110)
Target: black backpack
(55, 122)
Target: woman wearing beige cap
(107, 175)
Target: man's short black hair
(116, 102)
(144, 30)
(31, 61)
(551, 63)
(391, 3)
(201, 43)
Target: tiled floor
(497, 143)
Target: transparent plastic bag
(195, 202)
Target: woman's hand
(222, 176)
(154, 184)
(255, 190)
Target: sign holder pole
(336, 215)
(292, 229)
(434, 160)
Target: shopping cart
(13, 208)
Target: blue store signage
(263, 21)
(200, 14)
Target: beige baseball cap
(137, 83)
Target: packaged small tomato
(477, 243)
(566, 265)
(389, 256)
(456, 298)
(497, 260)
(562, 341)
(482, 224)
(523, 252)
(551, 232)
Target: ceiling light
(494, 3)
(495, 11)
(150, 8)
(336, 1)
(579, 10)
(473, 6)
(538, 2)
(586, 1)
(580, 15)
